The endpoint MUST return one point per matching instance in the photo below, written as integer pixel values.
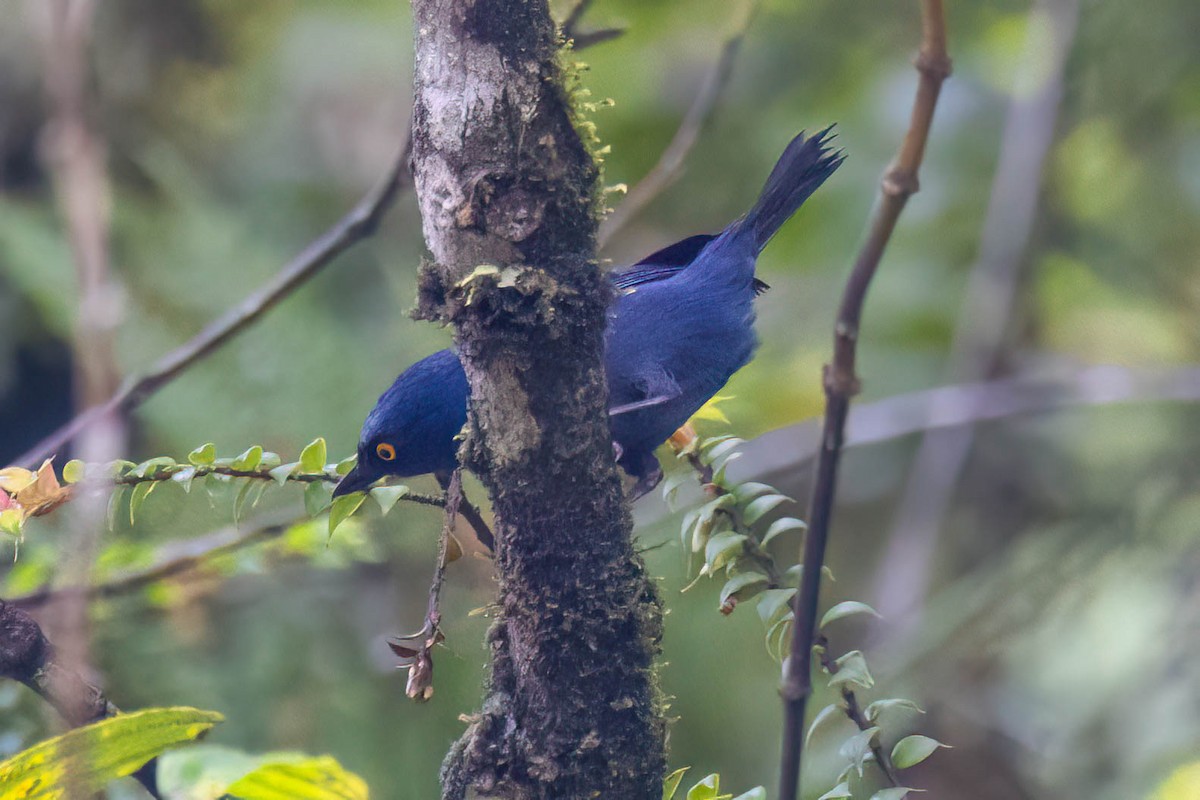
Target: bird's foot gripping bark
(645, 467)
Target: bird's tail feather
(802, 168)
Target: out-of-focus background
(1039, 570)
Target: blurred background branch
(77, 158)
(1055, 645)
(905, 566)
(841, 384)
(669, 165)
(359, 223)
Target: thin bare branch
(841, 384)
(570, 25)
(585, 39)
(986, 310)
(419, 659)
(360, 223)
(670, 163)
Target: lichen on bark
(507, 192)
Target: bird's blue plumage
(681, 325)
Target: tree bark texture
(507, 186)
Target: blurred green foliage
(1058, 646)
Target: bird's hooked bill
(353, 481)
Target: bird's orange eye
(385, 451)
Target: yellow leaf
(1183, 784)
(98, 753)
(14, 479)
(320, 778)
(712, 411)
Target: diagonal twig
(27, 656)
(570, 24)
(419, 659)
(670, 163)
(360, 223)
(202, 551)
(841, 383)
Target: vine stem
(853, 710)
(841, 384)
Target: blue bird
(681, 325)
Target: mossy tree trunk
(507, 189)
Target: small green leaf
(10, 522)
(116, 502)
(321, 778)
(249, 460)
(852, 669)
(283, 472)
(202, 771)
(746, 492)
(706, 520)
(83, 761)
(386, 496)
(671, 783)
(345, 465)
(153, 466)
(839, 792)
(215, 487)
(73, 471)
(742, 586)
(140, 492)
(774, 604)
(722, 548)
(857, 749)
(894, 793)
(312, 457)
(672, 483)
(269, 460)
(912, 750)
(880, 707)
(185, 477)
(316, 498)
(707, 789)
(248, 496)
(795, 571)
(712, 441)
(847, 608)
(724, 447)
(718, 478)
(757, 508)
(118, 468)
(757, 793)
(203, 455)
(782, 525)
(823, 716)
(343, 507)
(779, 637)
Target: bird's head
(376, 460)
(411, 430)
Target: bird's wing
(656, 387)
(662, 264)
